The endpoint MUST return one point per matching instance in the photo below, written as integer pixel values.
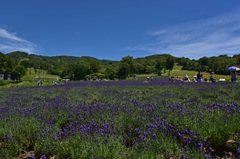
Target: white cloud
(10, 42)
(206, 37)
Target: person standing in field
(212, 79)
(233, 76)
(39, 83)
(172, 79)
(199, 77)
(194, 78)
(186, 78)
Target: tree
(123, 70)
(79, 70)
(19, 71)
(213, 64)
(24, 62)
(6, 65)
(184, 62)
(150, 69)
(203, 63)
(129, 61)
(237, 57)
(139, 68)
(170, 61)
(94, 65)
(110, 73)
(160, 64)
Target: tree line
(217, 64)
(85, 67)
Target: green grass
(31, 75)
(178, 72)
(30, 79)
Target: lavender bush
(121, 119)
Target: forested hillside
(85, 67)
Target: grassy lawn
(178, 72)
(32, 75)
(31, 78)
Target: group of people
(149, 78)
(199, 78)
(56, 82)
(196, 78)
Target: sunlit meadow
(121, 119)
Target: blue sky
(112, 29)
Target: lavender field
(121, 119)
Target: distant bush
(5, 82)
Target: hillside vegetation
(25, 67)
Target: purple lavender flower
(154, 136)
(43, 157)
(183, 157)
(238, 151)
(210, 149)
(32, 156)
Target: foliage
(110, 73)
(80, 69)
(217, 64)
(5, 82)
(6, 63)
(130, 61)
(160, 65)
(24, 62)
(19, 71)
(170, 61)
(203, 63)
(125, 68)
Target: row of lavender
(123, 119)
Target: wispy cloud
(206, 37)
(10, 42)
